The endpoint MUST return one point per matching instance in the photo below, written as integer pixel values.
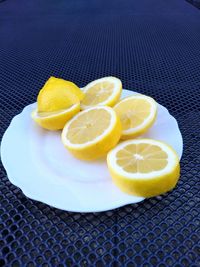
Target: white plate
(37, 162)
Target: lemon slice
(137, 114)
(102, 92)
(58, 94)
(57, 119)
(144, 167)
(92, 133)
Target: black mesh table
(154, 48)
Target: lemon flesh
(102, 92)
(92, 133)
(144, 167)
(137, 114)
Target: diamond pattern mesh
(154, 48)
(196, 3)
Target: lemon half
(58, 94)
(144, 167)
(55, 120)
(57, 102)
(92, 133)
(102, 92)
(137, 114)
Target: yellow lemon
(102, 92)
(92, 133)
(144, 167)
(58, 94)
(137, 114)
(55, 120)
(57, 102)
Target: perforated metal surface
(195, 3)
(154, 47)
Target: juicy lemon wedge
(144, 167)
(102, 92)
(137, 114)
(92, 133)
(58, 94)
(55, 120)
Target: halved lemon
(137, 114)
(92, 133)
(144, 167)
(102, 92)
(55, 120)
(58, 94)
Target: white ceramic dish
(37, 162)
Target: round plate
(37, 162)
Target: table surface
(154, 48)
